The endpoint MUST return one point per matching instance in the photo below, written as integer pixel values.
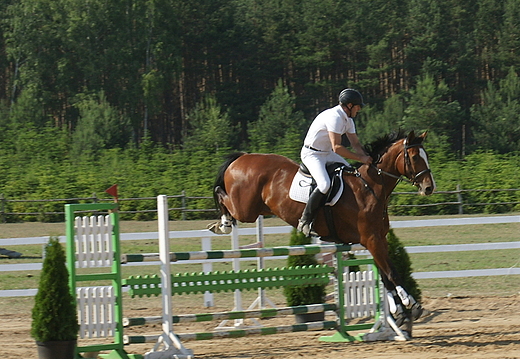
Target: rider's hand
(366, 159)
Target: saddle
(303, 184)
(335, 171)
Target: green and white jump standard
(93, 242)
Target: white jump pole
(262, 300)
(172, 347)
(260, 260)
(207, 267)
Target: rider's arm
(359, 155)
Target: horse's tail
(219, 182)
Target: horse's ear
(423, 135)
(410, 137)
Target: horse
(249, 185)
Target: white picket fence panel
(96, 311)
(359, 294)
(93, 241)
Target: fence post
(183, 205)
(459, 198)
(2, 207)
(94, 198)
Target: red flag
(112, 191)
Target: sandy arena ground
(458, 327)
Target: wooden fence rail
(192, 204)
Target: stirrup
(306, 228)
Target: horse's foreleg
(395, 305)
(391, 277)
(225, 226)
(403, 306)
(401, 295)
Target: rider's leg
(315, 201)
(315, 162)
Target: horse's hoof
(417, 311)
(225, 229)
(218, 228)
(213, 227)
(400, 319)
(406, 327)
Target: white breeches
(316, 162)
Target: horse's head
(397, 156)
(414, 164)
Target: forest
(151, 94)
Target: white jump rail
(287, 229)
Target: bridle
(411, 178)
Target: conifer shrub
(403, 264)
(354, 268)
(302, 295)
(54, 316)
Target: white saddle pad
(301, 189)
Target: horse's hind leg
(225, 225)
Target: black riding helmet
(351, 96)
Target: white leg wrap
(405, 298)
(391, 303)
(225, 224)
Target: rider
(322, 146)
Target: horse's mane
(379, 146)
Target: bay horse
(249, 185)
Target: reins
(365, 183)
(399, 178)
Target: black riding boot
(315, 201)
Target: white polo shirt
(332, 120)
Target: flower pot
(90, 354)
(57, 349)
(309, 317)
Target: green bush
(403, 265)
(54, 316)
(42, 168)
(302, 295)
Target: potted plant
(304, 295)
(54, 318)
